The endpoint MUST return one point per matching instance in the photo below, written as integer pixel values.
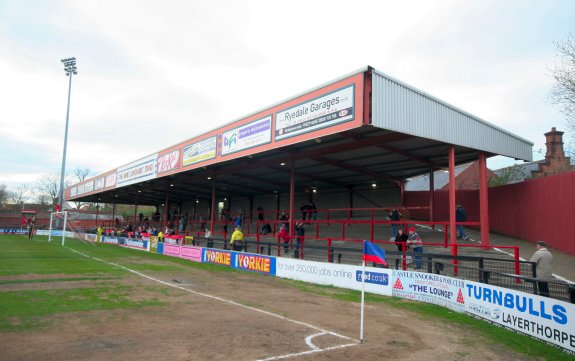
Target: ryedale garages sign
(325, 111)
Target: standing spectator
(283, 234)
(260, 213)
(394, 216)
(304, 210)
(416, 245)
(300, 233)
(140, 218)
(238, 220)
(30, 227)
(284, 217)
(461, 216)
(237, 240)
(99, 232)
(208, 236)
(313, 209)
(401, 239)
(202, 223)
(543, 258)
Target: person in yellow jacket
(237, 240)
(160, 236)
(99, 236)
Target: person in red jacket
(283, 235)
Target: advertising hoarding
(199, 151)
(431, 288)
(378, 280)
(324, 111)
(139, 171)
(247, 136)
(544, 318)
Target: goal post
(55, 221)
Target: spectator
(30, 227)
(266, 228)
(461, 216)
(202, 223)
(283, 234)
(416, 245)
(284, 217)
(160, 236)
(313, 209)
(300, 233)
(183, 221)
(238, 221)
(304, 210)
(543, 258)
(208, 236)
(237, 240)
(401, 239)
(394, 216)
(260, 213)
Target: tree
(508, 175)
(3, 194)
(47, 187)
(563, 91)
(81, 174)
(20, 195)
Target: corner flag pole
(362, 298)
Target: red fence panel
(534, 210)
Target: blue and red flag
(372, 253)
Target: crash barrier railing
(304, 243)
(488, 270)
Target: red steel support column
(431, 194)
(483, 201)
(452, 231)
(165, 210)
(212, 208)
(291, 197)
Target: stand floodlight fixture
(69, 69)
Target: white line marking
(307, 352)
(315, 349)
(309, 338)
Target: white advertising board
(250, 135)
(431, 288)
(325, 111)
(545, 318)
(378, 280)
(138, 171)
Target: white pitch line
(315, 348)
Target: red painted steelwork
(534, 210)
(483, 201)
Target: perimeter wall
(541, 209)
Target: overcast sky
(154, 73)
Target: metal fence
(516, 275)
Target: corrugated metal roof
(405, 109)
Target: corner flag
(373, 253)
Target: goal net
(58, 222)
